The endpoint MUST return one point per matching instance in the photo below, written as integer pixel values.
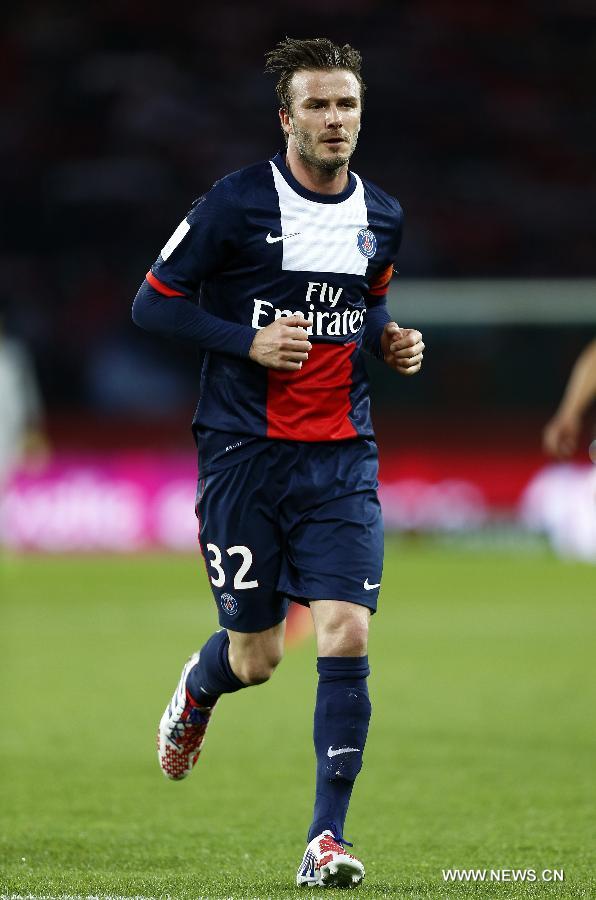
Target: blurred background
(478, 117)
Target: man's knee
(255, 665)
(343, 635)
(256, 671)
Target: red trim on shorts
(198, 515)
(313, 403)
(161, 287)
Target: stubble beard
(306, 148)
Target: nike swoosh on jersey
(331, 752)
(371, 587)
(273, 240)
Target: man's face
(324, 120)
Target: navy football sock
(342, 714)
(213, 675)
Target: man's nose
(333, 118)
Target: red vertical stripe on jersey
(161, 287)
(313, 403)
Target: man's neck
(315, 179)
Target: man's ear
(284, 118)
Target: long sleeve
(172, 315)
(377, 317)
(202, 244)
(377, 314)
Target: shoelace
(186, 731)
(345, 843)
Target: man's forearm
(176, 317)
(581, 387)
(375, 321)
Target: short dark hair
(293, 55)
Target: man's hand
(402, 348)
(560, 437)
(283, 345)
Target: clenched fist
(402, 348)
(282, 345)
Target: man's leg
(228, 661)
(231, 660)
(342, 713)
(334, 550)
(342, 710)
(241, 544)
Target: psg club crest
(229, 604)
(367, 242)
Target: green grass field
(480, 754)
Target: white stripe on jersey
(171, 245)
(324, 235)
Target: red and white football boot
(326, 864)
(182, 729)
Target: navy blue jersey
(258, 246)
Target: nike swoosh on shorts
(370, 587)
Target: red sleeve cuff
(161, 287)
(380, 285)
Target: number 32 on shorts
(220, 577)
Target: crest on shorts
(367, 242)
(229, 604)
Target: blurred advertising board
(128, 502)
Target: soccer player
(279, 273)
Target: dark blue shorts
(296, 521)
